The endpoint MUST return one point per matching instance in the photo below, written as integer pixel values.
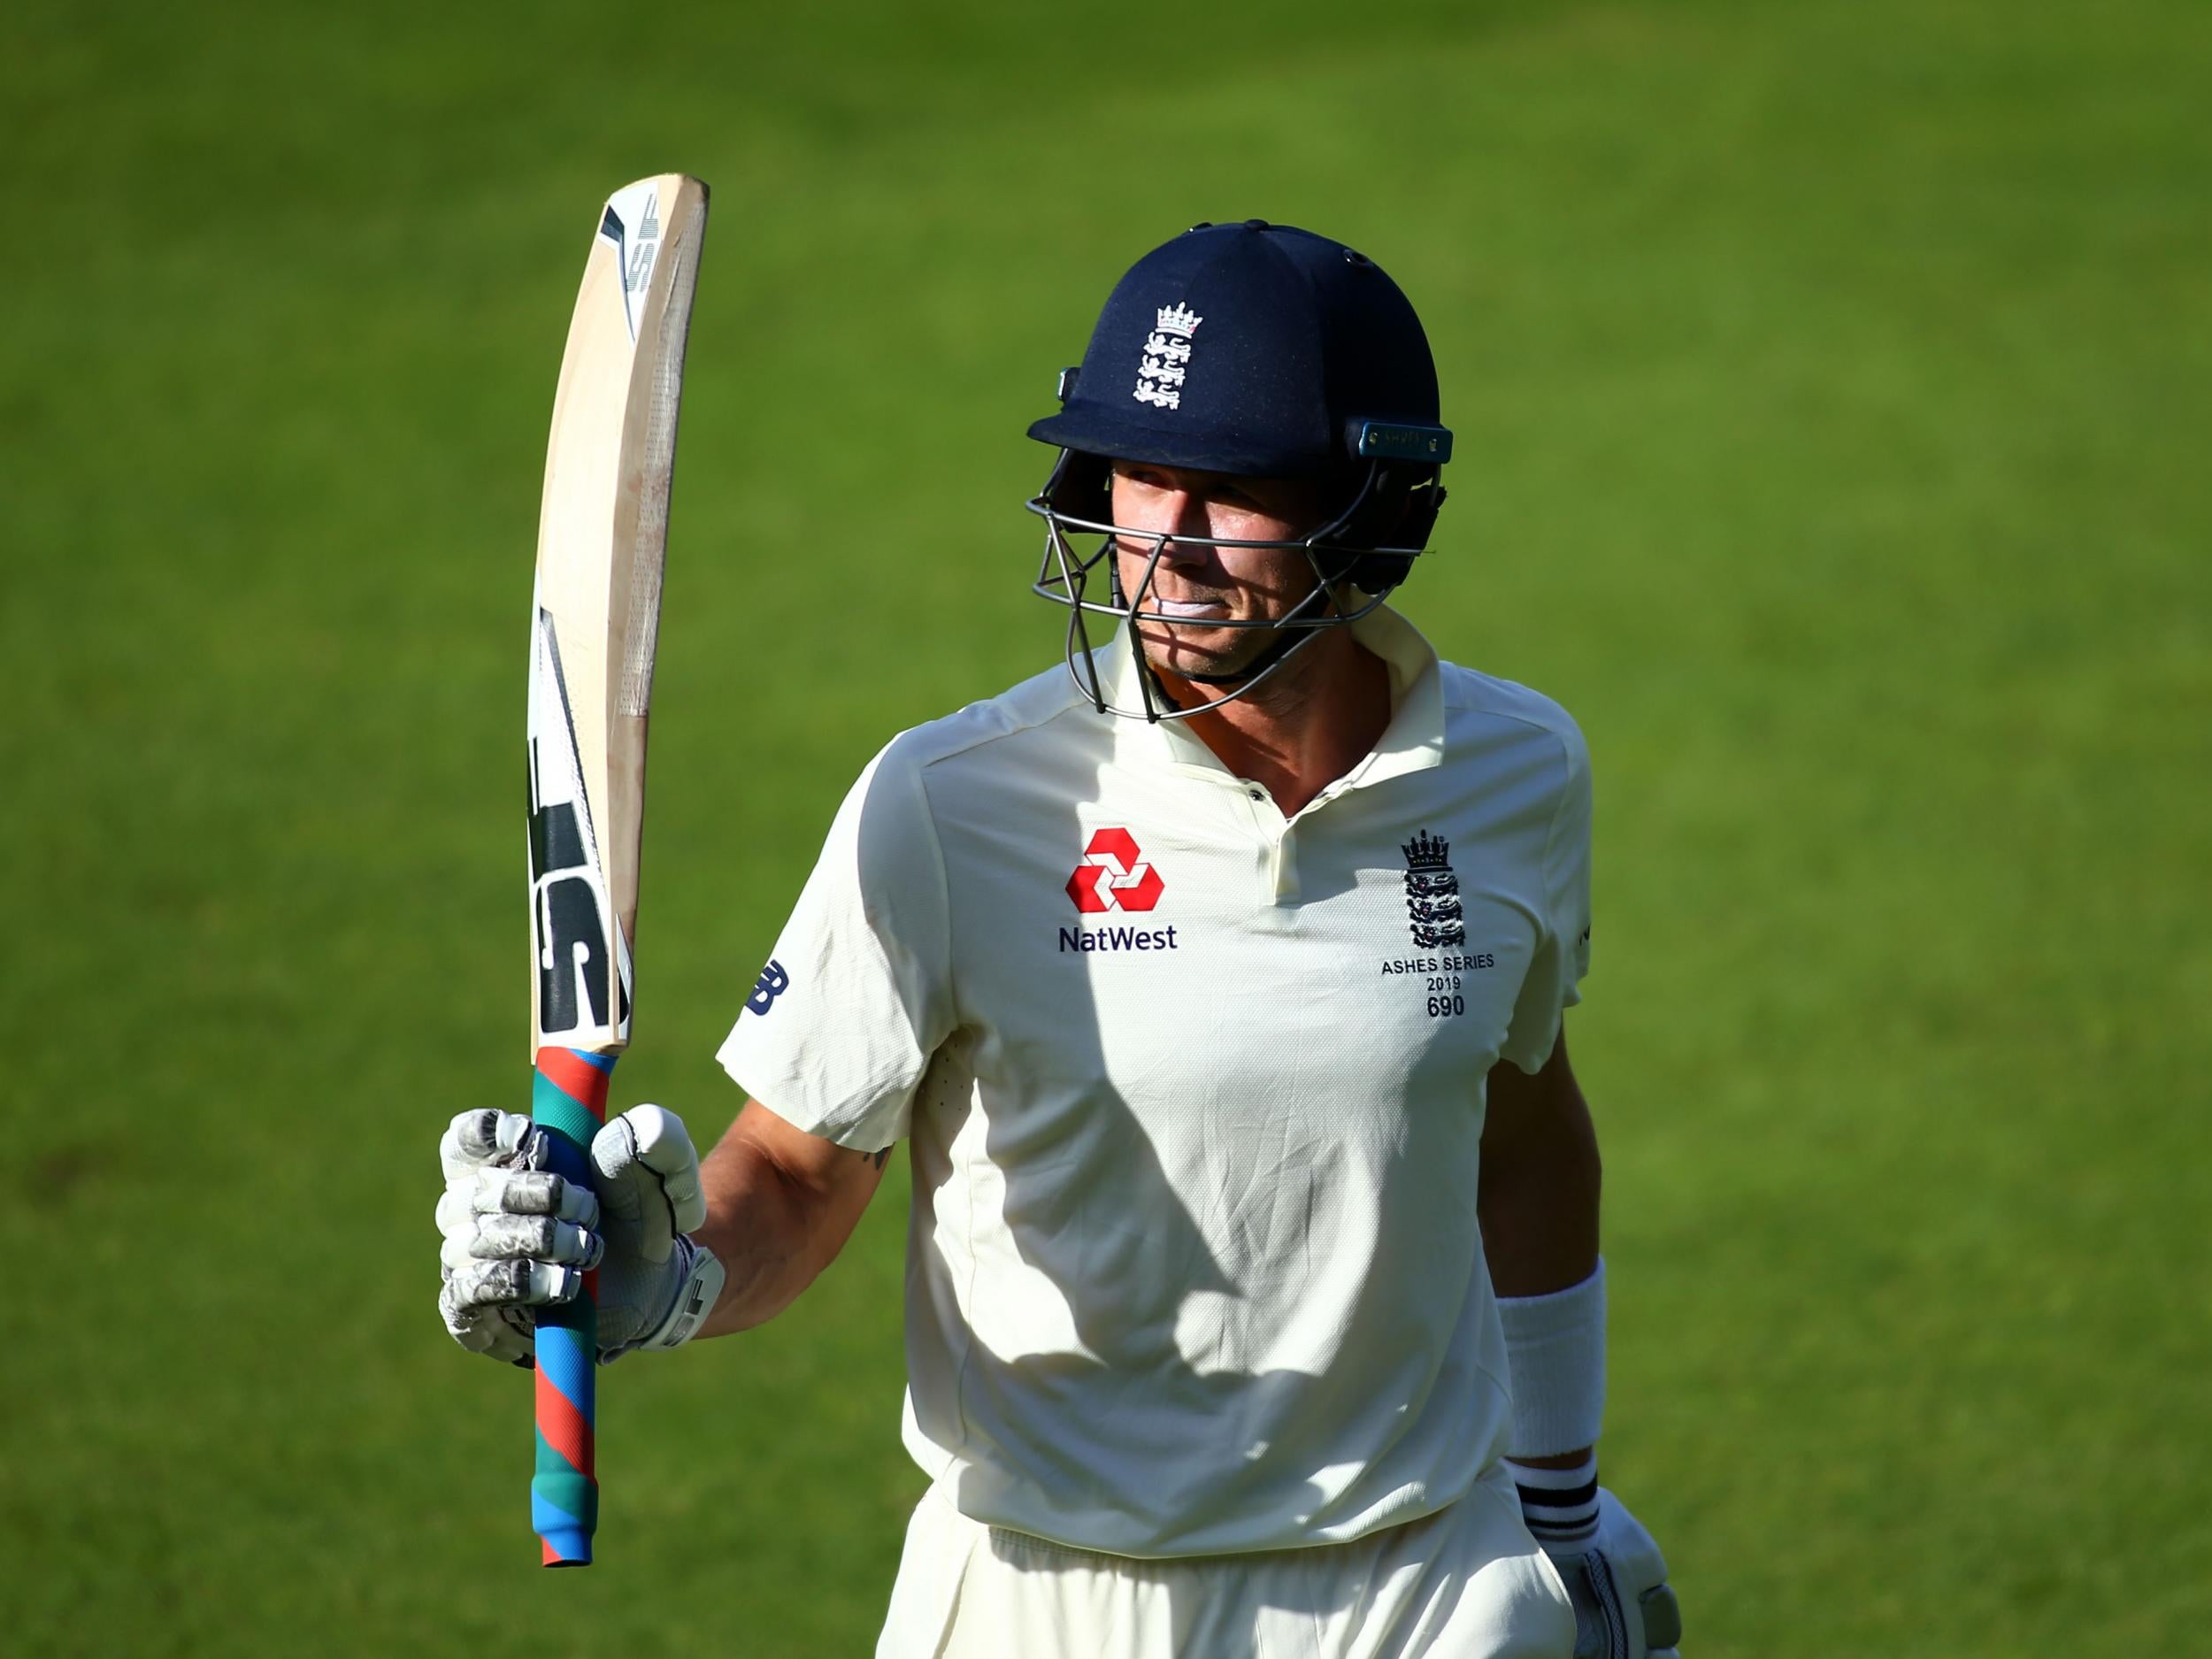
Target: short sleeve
(1563, 951)
(857, 995)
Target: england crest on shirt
(1433, 907)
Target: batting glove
(1615, 1575)
(518, 1237)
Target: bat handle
(569, 1101)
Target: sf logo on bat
(569, 910)
(583, 964)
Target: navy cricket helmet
(1259, 351)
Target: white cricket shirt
(1195, 1094)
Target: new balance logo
(1113, 876)
(773, 983)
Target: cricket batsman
(1214, 979)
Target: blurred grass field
(1831, 381)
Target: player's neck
(1303, 728)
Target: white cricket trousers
(1465, 1583)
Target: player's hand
(517, 1237)
(1625, 1608)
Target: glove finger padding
(499, 1215)
(650, 1188)
(516, 1283)
(498, 1191)
(504, 1140)
(498, 1209)
(538, 1239)
(463, 1207)
(507, 1335)
(656, 1285)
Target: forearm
(775, 1226)
(1538, 1203)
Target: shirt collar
(1413, 740)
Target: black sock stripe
(1558, 1497)
(1538, 1529)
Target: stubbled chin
(1186, 650)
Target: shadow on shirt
(1112, 1402)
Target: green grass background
(1832, 383)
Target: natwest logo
(1113, 876)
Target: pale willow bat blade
(594, 615)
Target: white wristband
(1554, 1348)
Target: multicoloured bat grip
(569, 1102)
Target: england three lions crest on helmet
(1166, 357)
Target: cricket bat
(593, 617)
